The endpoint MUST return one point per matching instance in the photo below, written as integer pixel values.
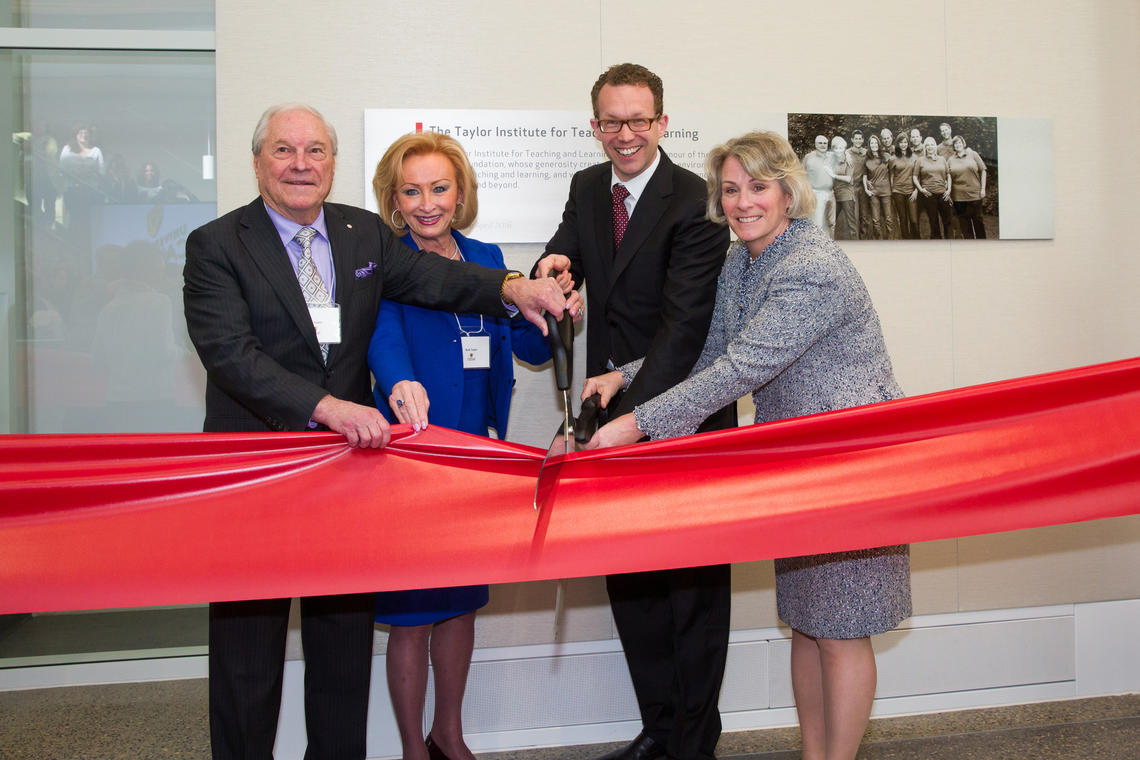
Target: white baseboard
(99, 673)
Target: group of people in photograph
(897, 186)
(295, 304)
(64, 186)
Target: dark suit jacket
(654, 296)
(412, 343)
(247, 317)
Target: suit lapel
(646, 214)
(604, 222)
(261, 240)
(342, 241)
(343, 244)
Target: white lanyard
(468, 333)
(475, 348)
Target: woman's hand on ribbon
(409, 402)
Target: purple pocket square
(366, 271)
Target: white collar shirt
(636, 186)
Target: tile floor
(168, 720)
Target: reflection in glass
(112, 148)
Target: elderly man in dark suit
(634, 231)
(281, 298)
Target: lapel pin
(349, 226)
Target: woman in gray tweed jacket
(794, 326)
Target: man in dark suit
(281, 298)
(634, 231)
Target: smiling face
(820, 144)
(915, 140)
(427, 198)
(295, 166)
(756, 209)
(631, 152)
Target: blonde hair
(765, 156)
(389, 175)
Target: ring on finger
(399, 402)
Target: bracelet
(503, 288)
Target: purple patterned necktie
(312, 286)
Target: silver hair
(263, 123)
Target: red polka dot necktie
(621, 216)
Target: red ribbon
(127, 520)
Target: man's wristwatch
(503, 288)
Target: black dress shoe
(434, 752)
(644, 747)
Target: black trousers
(673, 626)
(969, 215)
(247, 660)
(938, 212)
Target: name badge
(476, 351)
(326, 319)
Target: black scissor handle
(587, 423)
(559, 350)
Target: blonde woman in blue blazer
(459, 364)
(411, 343)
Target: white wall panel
(1108, 647)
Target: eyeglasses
(635, 125)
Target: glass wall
(110, 165)
(111, 149)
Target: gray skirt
(845, 595)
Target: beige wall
(955, 313)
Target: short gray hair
(262, 127)
(765, 156)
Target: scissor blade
(567, 423)
(560, 335)
(548, 471)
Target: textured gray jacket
(795, 328)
